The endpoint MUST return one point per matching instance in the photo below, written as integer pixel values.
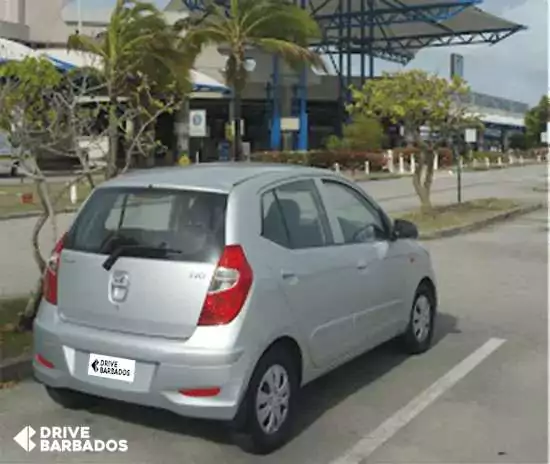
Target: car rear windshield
(166, 224)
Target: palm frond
(86, 43)
(295, 55)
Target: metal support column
(371, 39)
(348, 58)
(363, 34)
(302, 142)
(340, 66)
(276, 107)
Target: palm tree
(138, 46)
(273, 26)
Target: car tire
(418, 337)
(70, 399)
(276, 368)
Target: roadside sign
(197, 123)
(290, 124)
(470, 135)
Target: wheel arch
(289, 344)
(430, 285)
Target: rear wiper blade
(124, 249)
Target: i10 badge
(109, 367)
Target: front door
(373, 270)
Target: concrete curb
(481, 224)
(16, 369)
(31, 214)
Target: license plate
(109, 367)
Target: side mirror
(403, 229)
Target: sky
(516, 68)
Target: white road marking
(370, 443)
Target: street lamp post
(79, 16)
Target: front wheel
(270, 402)
(420, 330)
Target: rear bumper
(163, 367)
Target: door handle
(287, 275)
(361, 265)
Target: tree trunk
(181, 128)
(423, 179)
(27, 317)
(48, 207)
(423, 195)
(237, 142)
(113, 141)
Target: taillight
(50, 274)
(43, 361)
(201, 392)
(229, 288)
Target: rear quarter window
(188, 221)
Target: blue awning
(11, 50)
(71, 59)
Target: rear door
(308, 267)
(171, 241)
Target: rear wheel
(70, 399)
(419, 334)
(14, 171)
(268, 408)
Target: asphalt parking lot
(479, 396)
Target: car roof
(220, 177)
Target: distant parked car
(8, 165)
(216, 291)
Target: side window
(359, 220)
(293, 216)
(273, 225)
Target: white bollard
(436, 162)
(487, 162)
(539, 158)
(337, 167)
(499, 161)
(511, 159)
(391, 167)
(73, 194)
(197, 157)
(474, 163)
(401, 165)
(461, 163)
(521, 160)
(367, 168)
(413, 164)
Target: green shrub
(363, 133)
(346, 159)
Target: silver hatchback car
(217, 291)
